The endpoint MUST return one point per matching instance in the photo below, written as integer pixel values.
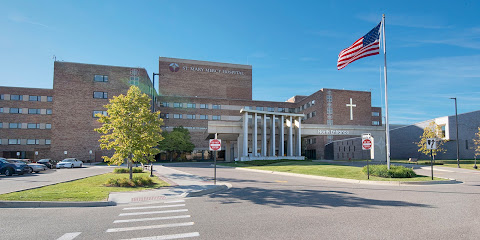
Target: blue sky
(433, 47)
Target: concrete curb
(217, 188)
(394, 183)
(33, 204)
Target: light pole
(154, 92)
(456, 123)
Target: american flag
(365, 46)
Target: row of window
(29, 125)
(188, 116)
(189, 105)
(29, 141)
(102, 95)
(310, 115)
(349, 148)
(311, 140)
(30, 110)
(32, 98)
(375, 123)
(189, 128)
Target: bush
(125, 170)
(394, 172)
(434, 163)
(125, 182)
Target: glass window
(204, 106)
(1, 97)
(1, 124)
(216, 117)
(190, 116)
(15, 110)
(13, 141)
(48, 126)
(260, 108)
(99, 112)
(33, 125)
(443, 130)
(49, 98)
(164, 104)
(134, 80)
(48, 141)
(214, 106)
(164, 115)
(329, 122)
(375, 114)
(1, 110)
(375, 123)
(178, 116)
(177, 105)
(329, 110)
(204, 117)
(281, 109)
(329, 98)
(314, 113)
(16, 97)
(103, 95)
(100, 78)
(32, 141)
(34, 98)
(33, 111)
(14, 125)
(270, 109)
(49, 111)
(190, 105)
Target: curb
(33, 204)
(394, 183)
(218, 188)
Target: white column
(245, 134)
(290, 137)
(254, 134)
(239, 150)
(281, 135)
(272, 135)
(228, 152)
(299, 136)
(264, 135)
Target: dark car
(6, 167)
(20, 166)
(47, 162)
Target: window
(216, 106)
(1, 124)
(100, 78)
(281, 109)
(33, 141)
(375, 123)
(48, 141)
(1, 110)
(34, 98)
(104, 113)
(15, 110)
(443, 130)
(134, 80)
(190, 105)
(49, 98)
(103, 95)
(260, 108)
(177, 105)
(330, 122)
(466, 144)
(190, 116)
(2, 97)
(204, 117)
(48, 126)
(270, 109)
(314, 113)
(33, 111)
(13, 141)
(375, 114)
(329, 110)
(312, 102)
(204, 106)
(49, 111)
(14, 125)
(164, 115)
(216, 117)
(178, 116)
(33, 125)
(16, 97)
(329, 98)
(164, 104)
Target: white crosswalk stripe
(150, 219)
(69, 236)
(153, 207)
(150, 227)
(154, 212)
(165, 237)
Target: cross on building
(351, 105)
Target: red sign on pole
(215, 144)
(366, 144)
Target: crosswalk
(169, 217)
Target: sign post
(431, 144)
(215, 145)
(367, 145)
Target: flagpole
(387, 127)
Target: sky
(433, 47)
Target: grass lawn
(87, 189)
(465, 164)
(326, 170)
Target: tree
(476, 141)
(130, 128)
(431, 131)
(177, 141)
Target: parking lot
(50, 176)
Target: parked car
(20, 166)
(36, 167)
(6, 167)
(47, 162)
(70, 163)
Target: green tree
(130, 128)
(431, 131)
(177, 141)
(476, 141)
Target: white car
(36, 167)
(70, 163)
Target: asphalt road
(267, 206)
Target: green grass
(465, 164)
(326, 170)
(87, 189)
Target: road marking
(154, 212)
(150, 227)
(69, 236)
(150, 207)
(150, 219)
(165, 237)
(174, 201)
(280, 181)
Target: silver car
(70, 163)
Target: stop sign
(215, 144)
(366, 144)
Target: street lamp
(154, 92)
(456, 123)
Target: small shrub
(394, 172)
(125, 182)
(125, 170)
(435, 163)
